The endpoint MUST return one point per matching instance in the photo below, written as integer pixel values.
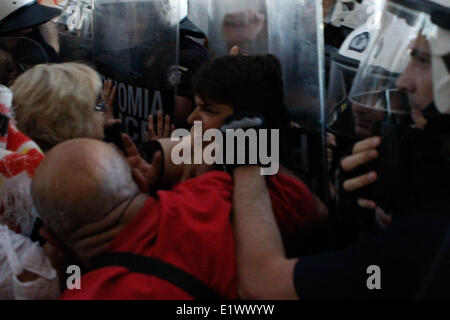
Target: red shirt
(190, 228)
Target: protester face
(211, 114)
(416, 80)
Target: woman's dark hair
(247, 83)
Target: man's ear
(60, 255)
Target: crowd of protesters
(77, 191)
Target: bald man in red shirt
(86, 195)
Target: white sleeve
(19, 254)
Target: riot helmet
(22, 43)
(21, 14)
(349, 27)
(343, 69)
(423, 29)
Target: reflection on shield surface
(135, 44)
(290, 30)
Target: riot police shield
(135, 44)
(197, 14)
(353, 13)
(75, 31)
(236, 22)
(290, 30)
(17, 54)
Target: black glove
(246, 121)
(391, 188)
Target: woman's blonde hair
(55, 102)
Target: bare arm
(264, 272)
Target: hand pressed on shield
(163, 128)
(108, 96)
(109, 93)
(363, 152)
(145, 174)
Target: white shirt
(19, 254)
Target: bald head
(79, 182)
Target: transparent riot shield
(18, 54)
(135, 44)
(54, 3)
(75, 31)
(193, 20)
(291, 30)
(197, 13)
(237, 22)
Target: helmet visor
(377, 85)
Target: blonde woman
(58, 102)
